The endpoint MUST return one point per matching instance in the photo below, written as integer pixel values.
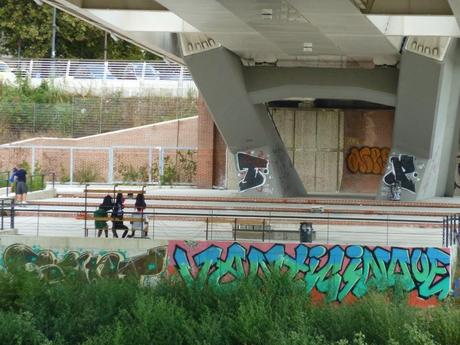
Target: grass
(273, 311)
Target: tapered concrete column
(248, 129)
(425, 136)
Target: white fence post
(161, 162)
(150, 164)
(67, 69)
(110, 173)
(31, 68)
(71, 166)
(32, 168)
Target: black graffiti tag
(402, 169)
(255, 169)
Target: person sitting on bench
(99, 223)
(117, 216)
(139, 225)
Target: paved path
(371, 225)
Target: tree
(25, 31)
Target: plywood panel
(305, 129)
(304, 163)
(284, 121)
(328, 130)
(326, 171)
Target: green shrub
(275, 311)
(129, 173)
(87, 173)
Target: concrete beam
(245, 127)
(425, 135)
(266, 84)
(455, 6)
(147, 21)
(432, 26)
(425, 7)
(165, 44)
(144, 5)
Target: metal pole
(161, 165)
(207, 227)
(71, 166)
(33, 160)
(150, 164)
(3, 204)
(12, 215)
(38, 220)
(263, 230)
(110, 172)
(53, 39)
(387, 230)
(86, 210)
(105, 46)
(153, 224)
(443, 229)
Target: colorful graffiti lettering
(367, 160)
(402, 171)
(254, 170)
(51, 266)
(334, 271)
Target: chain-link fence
(83, 117)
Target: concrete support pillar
(425, 136)
(248, 130)
(204, 174)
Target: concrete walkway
(370, 225)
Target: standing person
(21, 186)
(117, 216)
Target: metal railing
(202, 224)
(98, 77)
(451, 230)
(7, 213)
(98, 69)
(34, 182)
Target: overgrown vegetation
(86, 174)
(27, 111)
(274, 311)
(179, 169)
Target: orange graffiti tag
(368, 160)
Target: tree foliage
(26, 29)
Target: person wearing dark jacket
(117, 216)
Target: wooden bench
(245, 228)
(81, 216)
(114, 191)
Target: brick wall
(182, 133)
(211, 169)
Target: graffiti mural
(254, 170)
(401, 170)
(52, 266)
(335, 272)
(367, 160)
